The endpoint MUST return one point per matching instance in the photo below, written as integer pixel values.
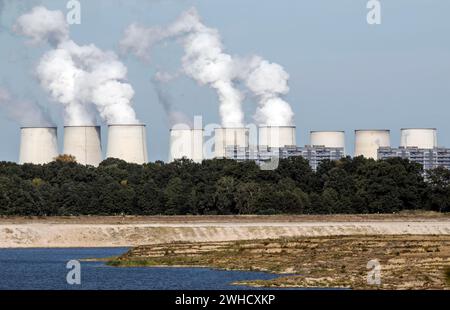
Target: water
(31, 269)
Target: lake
(45, 269)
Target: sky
(344, 73)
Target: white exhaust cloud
(204, 59)
(206, 62)
(42, 25)
(78, 76)
(269, 82)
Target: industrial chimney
(334, 139)
(225, 137)
(84, 143)
(367, 142)
(422, 138)
(38, 145)
(127, 142)
(277, 136)
(186, 143)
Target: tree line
(219, 186)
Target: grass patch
(131, 263)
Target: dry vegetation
(402, 216)
(407, 262)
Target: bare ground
(412, 216)
(407, 262)
(134, 231)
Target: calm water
(46, 269)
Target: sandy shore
(126, 232)
(405, 261)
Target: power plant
(422, 138)
(186, 143)
(276, 136)
(127, 142)
(84, 143)
(419, 145)
(280, 142)
(38, 145)
(230, 137)
(334, 139)
(367, 142)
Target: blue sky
(344, 73)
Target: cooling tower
(225, 137)
(186, 143)
(127, 142)
(423, 138)
(367, 142)
(83, 142)
(277, 136)
(38, 145)
(335, 139)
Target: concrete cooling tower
(225, 137)
(367, 142)
(335, 139)
(127, 142)
(83, 142)
(277, 136)
(186, 143)
(423, 138)
(38, 145)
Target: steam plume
(206, 62)
(269, 82)
(42, 25)
(8, 4)
(204, 59)
(78, 76)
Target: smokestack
(423, 138)
(335, 139)
(367, 142)
(127, 142)
(39, 145)
(83, 142)
(277, 136)
(186, 143)
(224, 137)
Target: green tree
(150, 199)
(176, 197)
(247, 195)
(439, 189)
(225, 195)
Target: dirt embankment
(403, 262)
(133, 231)
(122, 220)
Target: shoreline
(407, 262)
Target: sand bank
(44, 234)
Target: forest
(221, 187)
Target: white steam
(78, 76)
(269, 82)
(42, 25)
(204, 59)
(206, 62)
(26, 113)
